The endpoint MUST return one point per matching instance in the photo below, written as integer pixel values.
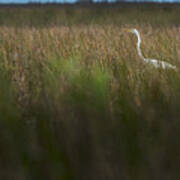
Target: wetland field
(77, 102)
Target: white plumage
(154, 62)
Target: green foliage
(76, 102)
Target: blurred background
(77, 102)
(84, 1)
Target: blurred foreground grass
(76, 102)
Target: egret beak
(127, 30)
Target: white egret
(154, 62)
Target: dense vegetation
(76, 102)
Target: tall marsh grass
(76, 102)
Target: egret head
(134, 31)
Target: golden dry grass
(86, 106)
(90, 44)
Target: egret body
(154, 62)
